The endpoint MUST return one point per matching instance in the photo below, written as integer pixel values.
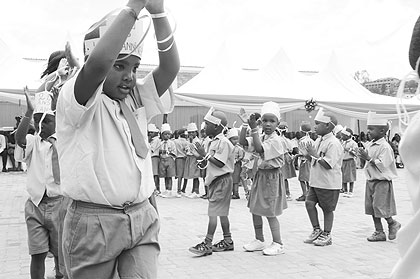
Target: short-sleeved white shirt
(38, 157)
(382, 154)
(331, 151)
(221, 149)
(273, 156)
(97, 157)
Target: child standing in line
(205, 141)
(348, 168)
(154, 141)
(219, 160)
(102, 117)
(267, 196)
(167, 153)
(380, 170)
(325, 179)
(238, 154)
(191, 170)
(288, 168)
(181, 145)
(305, 163)
(44, 206)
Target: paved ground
(184, 224)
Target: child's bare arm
(105, 53)
(169, 64)
(23, 127)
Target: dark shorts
(180, 166)
(167, 167)
(220, 191)
(380, 199)
(155, 165)
(326, 198)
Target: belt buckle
(126, 205)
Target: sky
(371, 35)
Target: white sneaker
(163, 194)
(349, 194)
(274, 249)
(194, 196)
(255, 245)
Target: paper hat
(337, 129)
(233, 132)
(192, 127)
(272, 108)
(43, 103)
(321, 117)
(212, 119)
(165, 128)
(98, 30)
(203, 125)
(152, 128)
(305, 126)
(375, 120)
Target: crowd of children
(98, 175)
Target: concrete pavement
(184, 224)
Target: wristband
(245, 125)
(131, 11)
(159, 15)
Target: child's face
(376, 132)
(192, 135)
(344, 137)
(210, 129)
(121, 79)
(269, 123)
(234, 140)
(321, 128)
(166, 135)
(47, 125)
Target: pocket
(272, 185)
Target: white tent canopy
(226, 86)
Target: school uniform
(155, 144)
(348, 167)
(323, 180)
(268, 195)
(181, 155)
(238, 155)
(379, 194)
(167, 159)
(43, 208)
(109, 183)
(191, 170)
(288, 169)
(219, 180)
(305, 164)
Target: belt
(95, 207)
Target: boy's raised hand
(243, 115)
(29, 105)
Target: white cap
(375, 120)
(344, 131)
(233, 132)
(272, 108)
(211, 118)
(321, 117)
(165, 128)
(98, 30)
(337, 129)
(152, 128)
(203, 125)
(192, 127)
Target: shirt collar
(379, 141)
(330, 134)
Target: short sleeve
(25, 154)
(273, 148)
(333, 154)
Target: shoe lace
(323, 237)
(221, 244)
(202, 246)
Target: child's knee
(310, 204)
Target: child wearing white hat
(325, 180)
(380, 170)
(191, 171)
(305, 163)
(167, 154)
(238, 154)
(181, 155)
(267, 196)
(288, 169)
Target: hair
(53, 62)
(349, 130)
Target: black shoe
(222, 245)
(204, 196)
(235, 197)
(301, 198)
(4, 170)
(201, 249)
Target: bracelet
(159, 15)
(245, 125)
(131, 11)
(166, 39)
(168, 48)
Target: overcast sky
(370, 35)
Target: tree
(361, 76)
